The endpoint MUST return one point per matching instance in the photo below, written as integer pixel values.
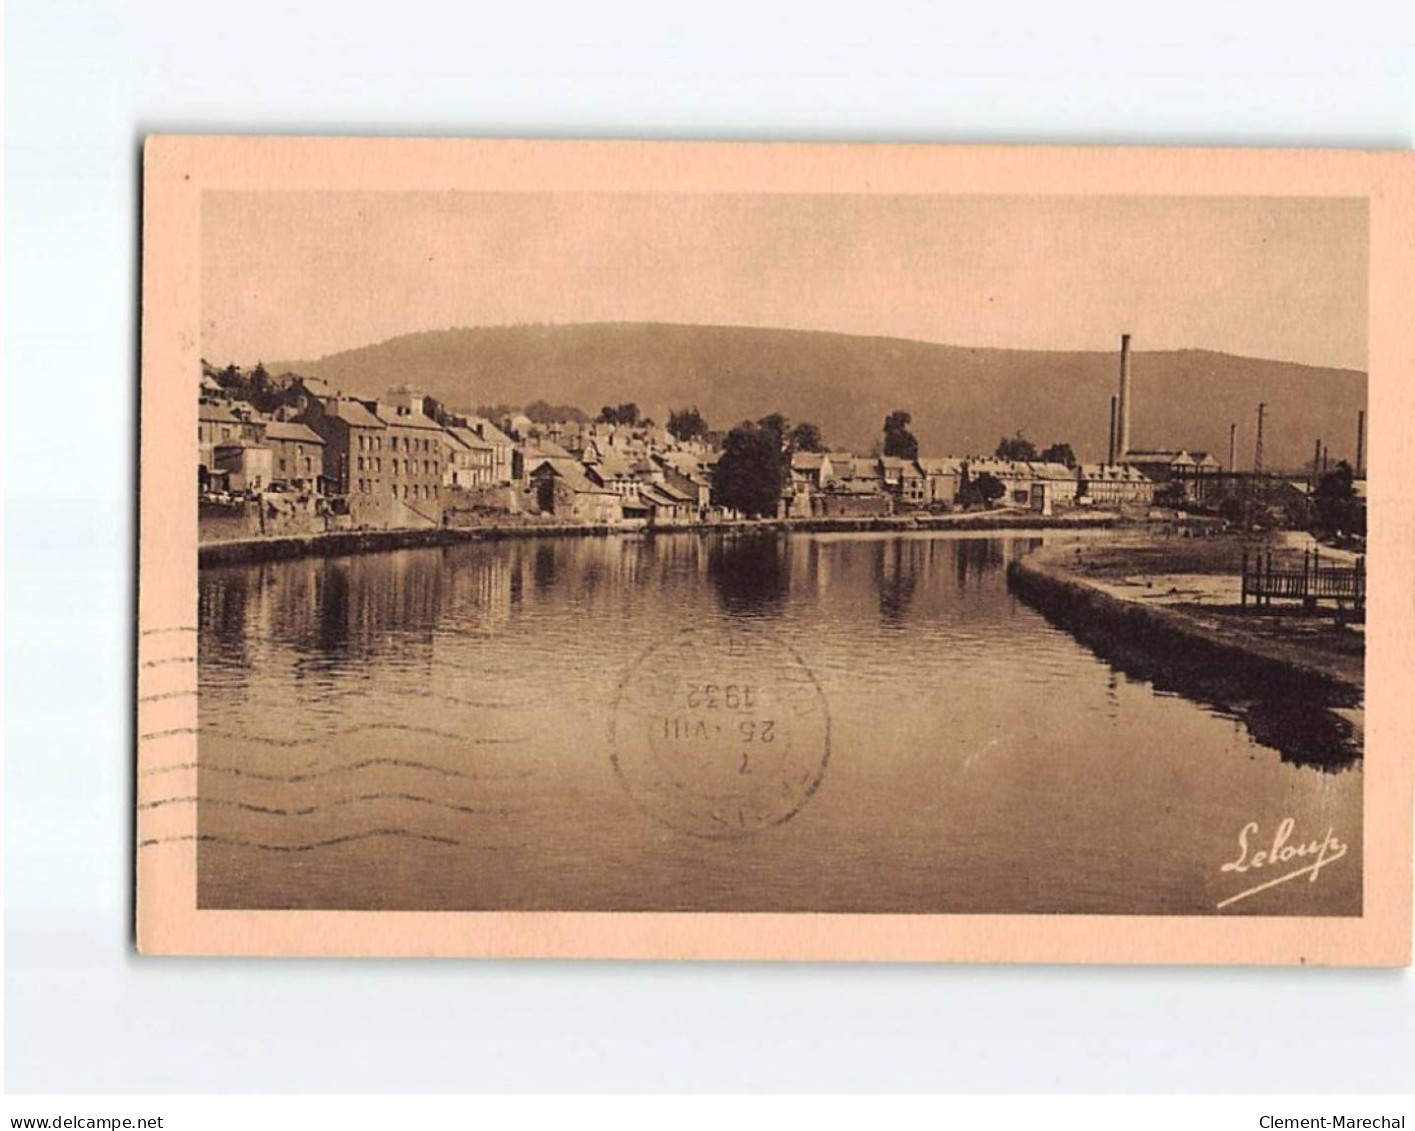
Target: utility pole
(1253, 479)
(1258, 447)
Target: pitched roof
(292, 430)
(397, 417)
(352, 412)
(489, 431)
(217, 413)
(568, 469)
(1113, 473)
(547, 449)
(469, 439)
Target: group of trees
(259, 388)
(543, 412)
(687, 424)
(619, 414)
(1021, 449)
(755, 464)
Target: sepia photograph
(682, 565)
(833, 553)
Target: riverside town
(1168, 620)
(294, 457)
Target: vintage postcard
(812, 552)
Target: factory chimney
(1110, 439)
(1317, 461)
(1360, 441)
(1122, 437)
(1232, 447)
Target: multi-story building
(219, 422)
(469, 460)
(354, 441)
(242, 465)
(413, 456)
(297, 455)
(903, 479)
(1112, 483)
(502, 463)
(942, 476)
(1194, 470)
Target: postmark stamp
(720, 733)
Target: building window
(362, 441)
(361, 460)
(282, 465)
(393, 487)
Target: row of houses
(402, 460)
(388, 462)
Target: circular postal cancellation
(720, 733)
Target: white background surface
(85, 81)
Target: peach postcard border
(177, 170)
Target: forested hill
(962, 399)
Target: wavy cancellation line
(343, 732)
(310, 810)
(310, 846)
(347, 768)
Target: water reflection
(750, 572)
(982, 759)
(1296, 718)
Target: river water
(529, 724)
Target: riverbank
(344, 542)
(1170, 605)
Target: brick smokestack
(1122, 437)
(1110, 438)
(1233, 447)
(1360, 441)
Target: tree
(898, 440)
(687, 423)
(1338, 508)
(990, 488)
(751, 472)
(1017, 448)
(980, 492)
(777, 427)
(806, 437)
(1059, 453)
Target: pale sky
(300, 275)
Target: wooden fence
(1314, 582)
